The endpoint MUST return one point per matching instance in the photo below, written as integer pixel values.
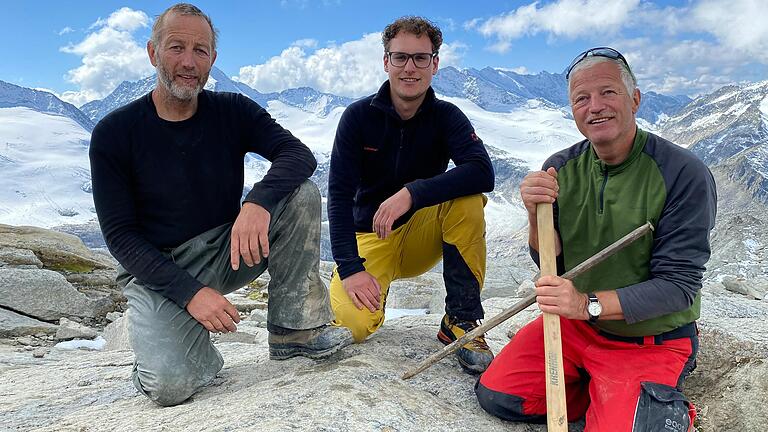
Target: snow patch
(531, 134)
(764, 111)
(96, 344)
(393, 313)
(45, 169)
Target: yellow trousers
(453, 230)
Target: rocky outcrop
(47, 276)
(56, 251)
(44, 294)
(13, 324)
(360, 387)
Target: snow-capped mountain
(305, 98)
(126, 92)
(502, 90)
(722, 124)
(730, 128)
(522, 119)
(41, 101)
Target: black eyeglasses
(607, 52)
(420, 60)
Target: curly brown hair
(416, 26)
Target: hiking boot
(475, 356)
(317, 343)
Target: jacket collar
(638, 145)
(383, 101)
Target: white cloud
(689, 67)
(521, 70)
(447, 24)
(451, 54)
(691, 49)
(567, 18)
(66, 30)
(738, 24)
(473, 24)
(110, 55)
(306, 43)
(353, 69)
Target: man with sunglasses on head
(628, 325)
(393, 207)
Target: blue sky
(82, 50)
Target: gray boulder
(753, 288)
(44, 294)
(72, 330)
(117, 334)
(57, 251)
(14, 257)
(15, 325)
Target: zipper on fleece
(397, 155)
(602, 189)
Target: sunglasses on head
(606, 52)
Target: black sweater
(376, 153)
(157, 184)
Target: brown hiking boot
(317, 343)
(475, 356)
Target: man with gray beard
(167, 173)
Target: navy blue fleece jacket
(376, 153)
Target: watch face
(594, 309)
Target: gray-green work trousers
(174, 354)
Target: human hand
(364, 290)
(559, 296)
(539, 187)
(213, 311)
(250, 231)
(388, 212)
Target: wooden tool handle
(557, 414)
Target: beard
(181, 93)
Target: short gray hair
(181, 9)
(627, 77)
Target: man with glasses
(628, 325)
(167, 175)
(394, 210)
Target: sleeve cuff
(261, 197)
(181, 290)
(348, 268)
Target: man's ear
(435, 62)
(386, 63)
(635, 100)
(151, 53)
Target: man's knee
(465, 210)
(170, 395)
(505, 406)
(174, 384)
(307, 194)
(362, 323)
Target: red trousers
(620, 385)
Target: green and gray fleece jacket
(658, 279)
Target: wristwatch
(594, 308)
